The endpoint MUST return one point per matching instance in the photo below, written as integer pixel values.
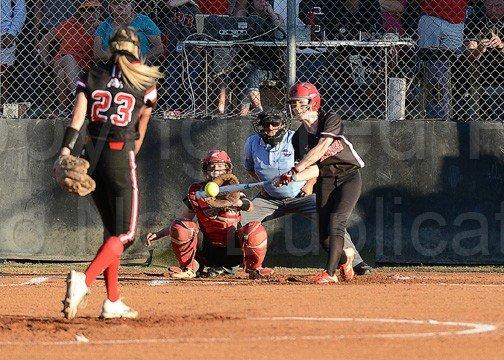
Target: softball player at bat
(225, 243)
(117, 99)
(325, 153)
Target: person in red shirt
(73, 40)
(440, 32)
(215, 7)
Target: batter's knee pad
(184, 242)
(254, 241)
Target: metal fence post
(291, 42)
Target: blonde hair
(137, 74)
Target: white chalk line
(33, 281)
(461, 284)
(469, 329)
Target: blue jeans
(437, 34)
(254, 79)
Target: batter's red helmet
(306, 90)
(216, 156)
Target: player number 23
(103, 100)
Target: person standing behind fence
(392, 11)
(265, 62)
(177, 20)
(73, 40)
(440, 32)
(122, 14)
(485, 50)
(12, 21)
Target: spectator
(73, 40)
(440, 31)
(485, 50)
(177, 21)
(215, 7)
(12, 21)
(264, 64)
(50, 13)
(392, 11)
(222, 57)
(122, 14)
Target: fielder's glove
(70, 173)
(225, 200)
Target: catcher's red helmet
(306, 90)
(216, 156)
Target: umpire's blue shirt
(269, 162)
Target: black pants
(336, 199)
(116, 194)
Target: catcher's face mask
(215, 170)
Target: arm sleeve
(150, 97)
(249, 161)
(333, 126)
(18, 17)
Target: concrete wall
(432, 191)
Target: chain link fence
(370, 59)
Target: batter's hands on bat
(285, 178)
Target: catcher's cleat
(325, 278)
(362, 269)
(75, 295)
(187, 273)
(260, 273)
(117, 309)
(346, 270)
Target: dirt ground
(391, 314)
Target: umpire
(270, 153)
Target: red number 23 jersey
(113, 105)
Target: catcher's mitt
(70, 173)
(228, 199)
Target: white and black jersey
(113, 105)
(332, 163)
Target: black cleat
(362, 269)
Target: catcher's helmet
(216, 156)
(271, 116)
(305, 90)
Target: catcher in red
(225, 244)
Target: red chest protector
(217, 224)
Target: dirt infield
(390, 314)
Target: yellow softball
(212, 189)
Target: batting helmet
(305, 90)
